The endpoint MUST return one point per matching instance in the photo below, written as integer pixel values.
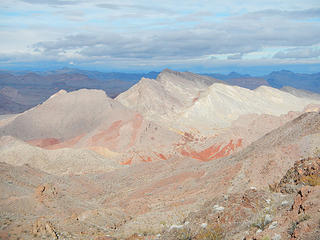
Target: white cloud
(154, 33)
(298, 53)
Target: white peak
(59, 93)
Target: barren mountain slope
(301, 93)
(59, 162)
(289, 210)
(150, 197)
(65, 115)
(188, 184)
(89, 119)
(274, 153)
(191, 103)
(249, 82)
(16, 96)
(159, 100)
(221, 104)
(175, 187)
(7, 106)
(37, 205)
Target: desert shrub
(211, 232)
(292, 228)
(274, 187)
(312, 180)
(183, 234)
(316, 152)
(261, 222)
(294, 224)
(303, 218)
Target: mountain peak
(60, 92)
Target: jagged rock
(304, 172)
(46, 192)
(43, 228)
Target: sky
(144, 35)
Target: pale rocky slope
(88, 119)
(58, 162)
(188, 102)
(65, 115)
(221, 104)
(161, 99)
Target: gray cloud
(109, 6)
(155, 37)
(236, 56)
(52, 2)
(139, 7)
(231, 37)
(274, 13)
(194, 16)
(298, 53)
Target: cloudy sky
(144, 35)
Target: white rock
(258, 231)
(176, 226)
(186, 223)
(276, 237)
(284, 203)
(253, 188)
(204, 225)
(218, 208)
(267, 219)
(268, 201)
(273, 225)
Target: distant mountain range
(276, 79)
(35, 87)
(279, 79)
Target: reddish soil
(161, 156)
(176, 179)
(112, 133)
(214, 151)
(136, 124)
(43, 143)
(145, 159)
(127, 162)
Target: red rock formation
(213, 152)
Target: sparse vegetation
(316, 152)
(303, 218)
(292, 228)
(274, 187)
(184, 234)
(264, 218)
(294, 224)
(312, 180)
(259, 224)
(214, 232)
(211, 232)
